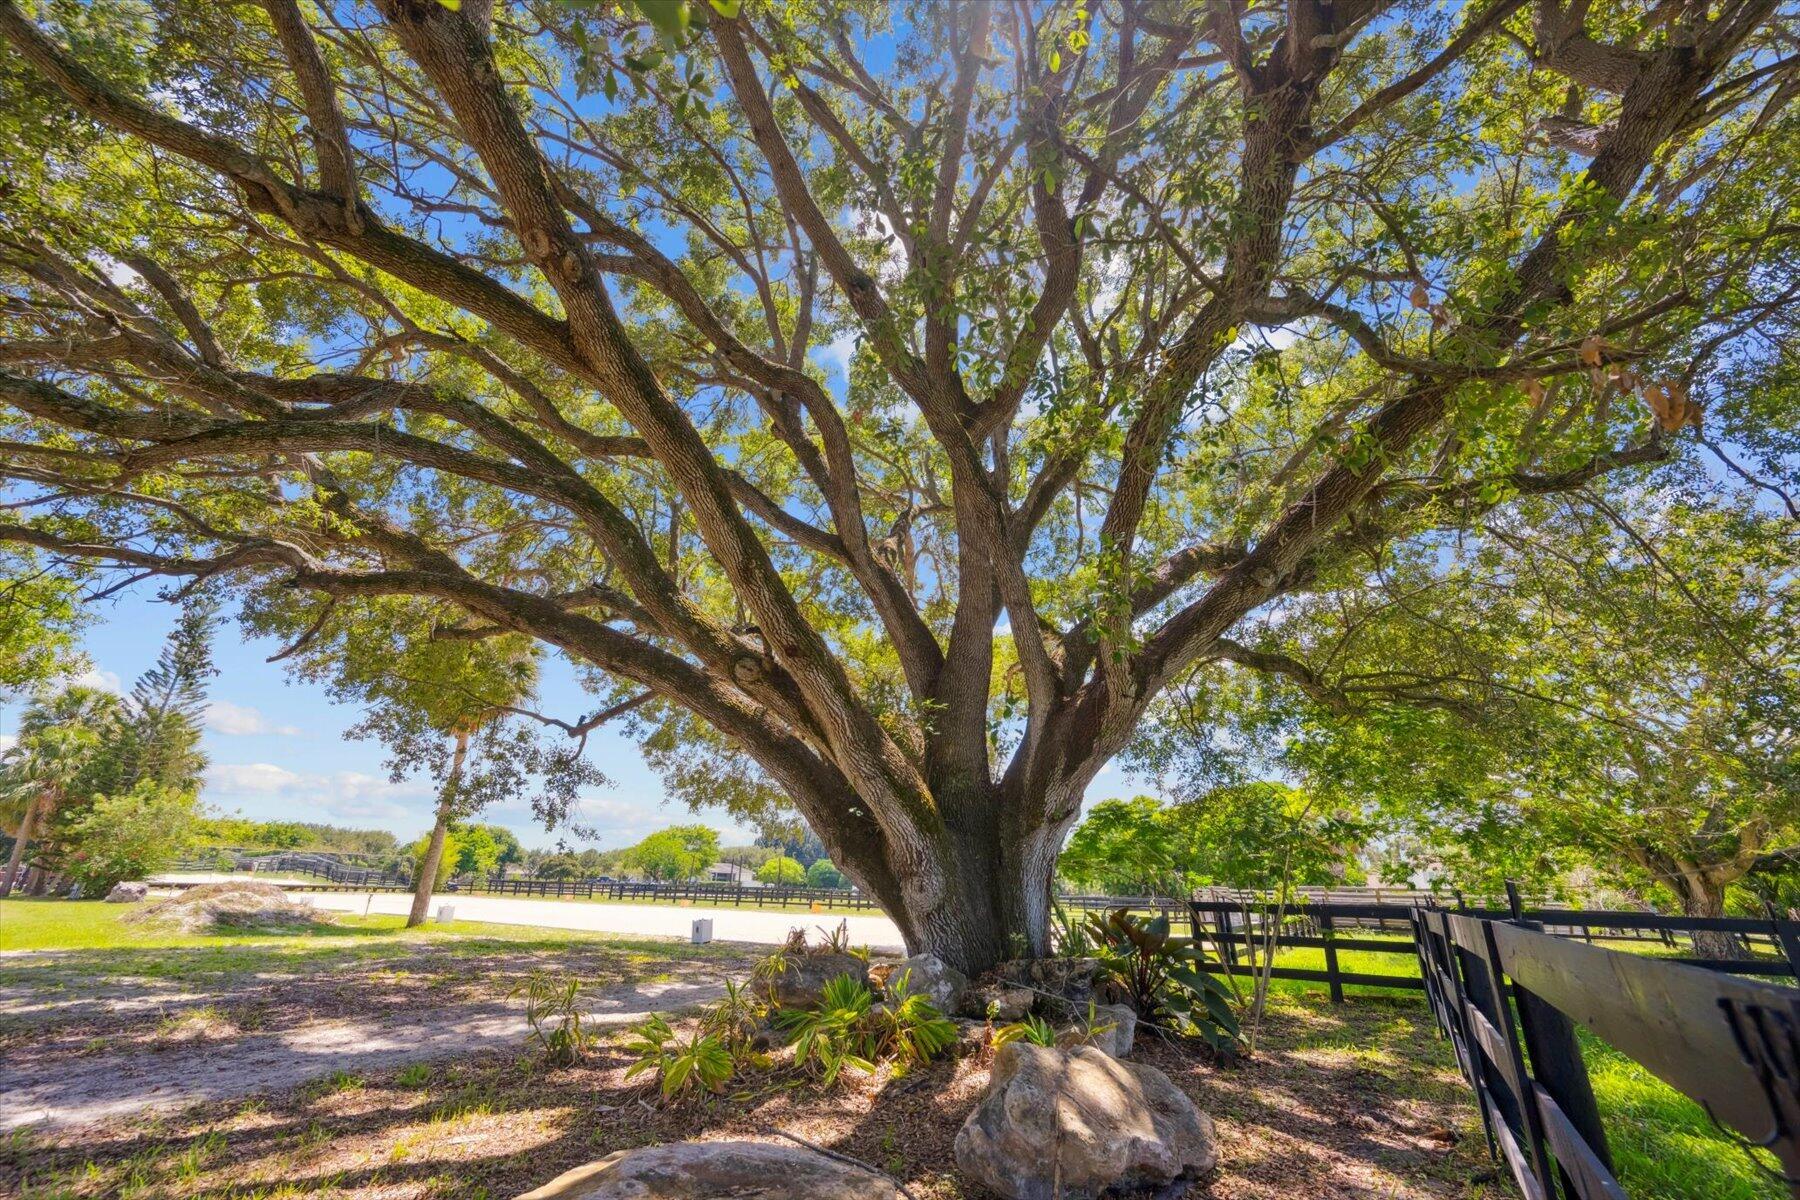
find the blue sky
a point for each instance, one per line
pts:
(278, 750)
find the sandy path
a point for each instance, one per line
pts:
(768, 927)
(117, 1083)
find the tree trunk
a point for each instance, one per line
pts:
(982, 897)
(26, 827)
(434, 851)
(1701, 896)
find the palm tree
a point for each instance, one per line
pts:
(59, 736)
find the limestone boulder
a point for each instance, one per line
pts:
(1001, 1001)
(926, 975)
(710, 1170)
(1078, 1124)
(128, 893)
(1122, 1034)
(803, 983)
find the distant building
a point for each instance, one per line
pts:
(724, 872)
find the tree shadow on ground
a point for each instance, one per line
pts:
(1342, 1105)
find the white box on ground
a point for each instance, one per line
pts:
(446, 913)
(702, 930)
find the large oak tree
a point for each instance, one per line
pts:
(900, 396)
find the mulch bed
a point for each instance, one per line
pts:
(1348, 1102)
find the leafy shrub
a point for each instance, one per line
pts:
(1160, 977)
(128, 836)
(1033, 1029)
(734, 1018)
(552, 1010)
(914, 1030)
(836, 1034)
(846, 1029)
(700, 1062)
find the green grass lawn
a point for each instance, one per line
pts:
(68, 945)
(96, 925)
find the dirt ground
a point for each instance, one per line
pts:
(93, 1035)
(1350, 1102)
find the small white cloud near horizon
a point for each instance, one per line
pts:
(240, 720)
(105, 681)
(346, 795)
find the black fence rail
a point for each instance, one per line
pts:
(1237, 932)
(330, 870)
(1510, 997)
(736, 895)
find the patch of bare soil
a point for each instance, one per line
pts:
(69, 1056)
(1351, 1102)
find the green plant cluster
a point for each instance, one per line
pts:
(847, 1028)
(1160, 976)
(553, 1010)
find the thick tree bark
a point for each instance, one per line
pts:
(434, 851)
(1703, 895)
(26, 828)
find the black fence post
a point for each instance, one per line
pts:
(1556, 1062)
(1331, 958)
(1787, 935)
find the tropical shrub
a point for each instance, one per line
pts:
(836, 1034)
(128, 836)
(552, 1009)
(1033, 1029)
(699, 1062)
(1159, 976)
(913, 1030)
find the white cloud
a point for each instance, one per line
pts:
(1272, 337)
(116, 271)
(263, 778)
(106, 681)
(347, 795)
(7, 742)
(239, 720)
(837, 353)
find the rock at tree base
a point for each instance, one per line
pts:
(1118, 1040)
(931, 977)
(803, 983)
(127, 893)
(1001, 1001)
(709, 1170)
(1078, 1124)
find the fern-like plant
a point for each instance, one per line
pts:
(552, 1009)
(1033, 1029)
(699, 1062)
(914, 1031)
(837, 1033)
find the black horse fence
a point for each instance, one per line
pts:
(1510, 986)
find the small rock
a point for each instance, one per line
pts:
(128, 893)
(1003, 1001)
(1118, 1040)
(926, 975)
(709, 1170)
(1077, 1124)
(802, 985)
